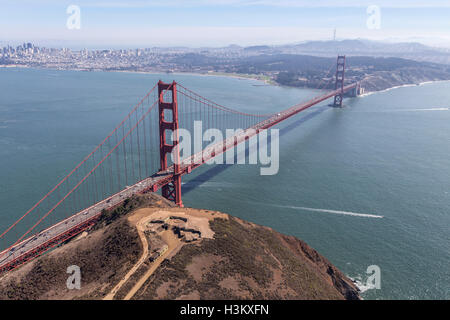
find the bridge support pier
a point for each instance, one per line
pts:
(168, 121)
(340, 70)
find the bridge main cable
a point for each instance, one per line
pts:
(75, 170)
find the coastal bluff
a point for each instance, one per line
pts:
(149, 249)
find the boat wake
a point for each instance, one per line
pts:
(427, 109)
(409, 110)
(346, 213)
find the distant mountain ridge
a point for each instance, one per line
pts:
(407, 50)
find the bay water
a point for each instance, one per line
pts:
(365, 185)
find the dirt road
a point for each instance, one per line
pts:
(173, 243)
(140, 228)
(197, 219)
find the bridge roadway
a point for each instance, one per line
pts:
(68, 228)
(17, 254)
(212, 151)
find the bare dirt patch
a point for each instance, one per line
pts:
(201, 265)
(146, 221)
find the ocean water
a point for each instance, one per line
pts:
(365, 185)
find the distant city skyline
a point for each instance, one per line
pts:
(219, 23)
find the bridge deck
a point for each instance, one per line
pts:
(66, 229)
(34, 243)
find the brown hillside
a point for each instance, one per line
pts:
(164, 252)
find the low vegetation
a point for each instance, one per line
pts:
(246, 261)
(242, 261)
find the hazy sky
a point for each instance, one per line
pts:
(194, 23)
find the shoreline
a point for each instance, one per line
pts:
(249, 77)
(403, 86)
(209, 74)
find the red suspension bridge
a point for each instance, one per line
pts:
(134, 159)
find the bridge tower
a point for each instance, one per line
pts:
(169, 121)
(340, 70)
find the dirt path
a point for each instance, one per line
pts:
(173, 243)
(198, 219)
(140, 227)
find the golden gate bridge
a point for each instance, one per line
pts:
(134, 159)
